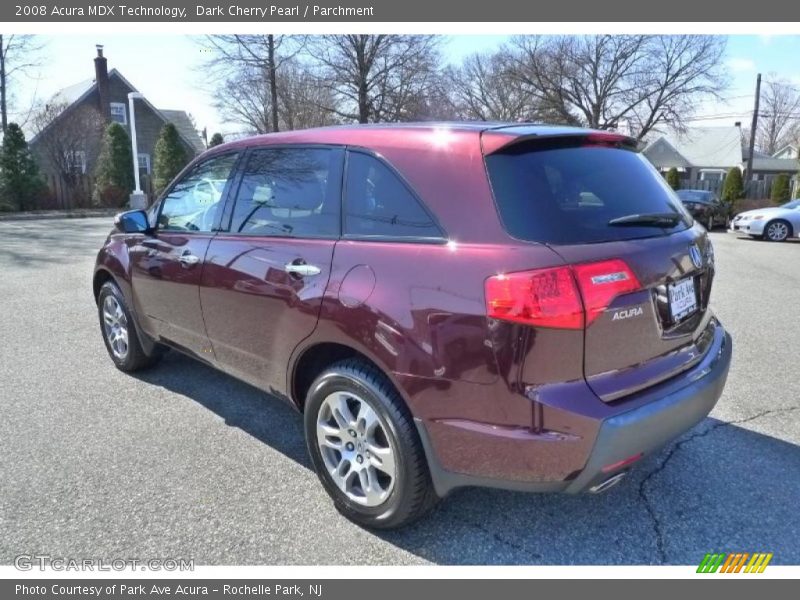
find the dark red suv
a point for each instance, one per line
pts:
(515, 306)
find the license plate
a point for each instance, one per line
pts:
(682, 299)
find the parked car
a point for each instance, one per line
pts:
(705, 207)
(774, 223)
(514, 306)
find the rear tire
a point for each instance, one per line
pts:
(119, 331)
(365, 447)
(777, 231)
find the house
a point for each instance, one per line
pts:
(788, 151)
(702, 155)
(766, 168)
(69, 144)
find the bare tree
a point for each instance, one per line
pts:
(244, 98)
(256, 59)
(303, 102)
(377, 77)
(778, 122)
(605, 81)
(681, 72)
(68, 138)
(484, 87)
(19, 54)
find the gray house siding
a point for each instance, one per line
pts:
(149, 123)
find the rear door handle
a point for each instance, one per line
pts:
(302, 269)
(188, 259)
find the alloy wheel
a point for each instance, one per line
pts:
(115, 327)
(777, 232)
(357, 452)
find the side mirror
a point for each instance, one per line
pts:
(133, 221)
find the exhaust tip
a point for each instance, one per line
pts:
(607, 484)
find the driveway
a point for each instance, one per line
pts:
(183, 461)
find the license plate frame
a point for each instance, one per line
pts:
(682, 295)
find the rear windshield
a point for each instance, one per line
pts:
(561, 193)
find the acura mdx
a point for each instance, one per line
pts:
(466, 304)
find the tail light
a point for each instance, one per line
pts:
(561, 297)
(601, 282)
(546, 297)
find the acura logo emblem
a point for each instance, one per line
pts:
(697, 258)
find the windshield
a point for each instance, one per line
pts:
(558, 192)
(694, 196)
(792, 204)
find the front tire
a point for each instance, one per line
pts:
(777, 231)
(365, 447)
(119, 331)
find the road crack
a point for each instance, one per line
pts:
(533, 557)
(648, 504)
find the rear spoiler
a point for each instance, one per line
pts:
(496, 140)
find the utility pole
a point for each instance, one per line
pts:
(753, 133)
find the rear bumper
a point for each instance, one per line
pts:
(667, 412)
(649, 427)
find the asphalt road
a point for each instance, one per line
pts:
(186, 462)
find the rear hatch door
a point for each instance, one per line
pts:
(596, 201)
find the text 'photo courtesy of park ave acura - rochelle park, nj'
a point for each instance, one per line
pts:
(371, 299)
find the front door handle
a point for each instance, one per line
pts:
(187, 259)
(302, 269)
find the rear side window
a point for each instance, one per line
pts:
(290, 192)
(378, 203)
(562, 193)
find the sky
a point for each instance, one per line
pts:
(168, 70)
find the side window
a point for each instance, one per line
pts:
(377, 203)
(292, 192)
(193, 203)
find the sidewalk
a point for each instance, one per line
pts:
(78, 213)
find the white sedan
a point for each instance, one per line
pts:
(775, 223)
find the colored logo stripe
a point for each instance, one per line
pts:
(735, 562)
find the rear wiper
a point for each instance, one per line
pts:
(648, 220)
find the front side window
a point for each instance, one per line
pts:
(379, 204)
(118, 114)
(289, 192)
(194, 202)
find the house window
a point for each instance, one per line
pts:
(118, 114)
(144, 164)
(76, 161)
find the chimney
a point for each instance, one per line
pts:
(101, 77)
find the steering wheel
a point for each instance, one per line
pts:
(206, 221)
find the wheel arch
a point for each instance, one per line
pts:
(314, 358)
(101, 276)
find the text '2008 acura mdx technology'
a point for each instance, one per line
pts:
(515, 306)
